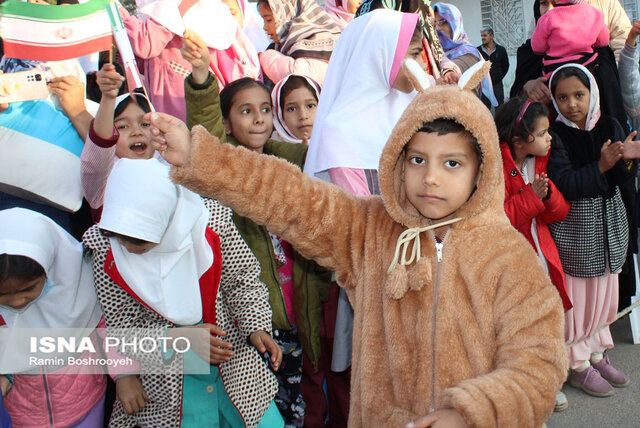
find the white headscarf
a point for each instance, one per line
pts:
(141, 202)
(594, 100)
(283, 131)
(70, 300)
(211, 19)
(358, 108)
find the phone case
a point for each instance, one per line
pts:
(22, 86)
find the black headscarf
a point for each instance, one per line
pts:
(528, 63)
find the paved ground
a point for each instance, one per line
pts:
(621, 410)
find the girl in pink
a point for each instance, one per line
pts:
(157, 39)
(568, 33)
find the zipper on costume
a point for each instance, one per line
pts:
(439, 246)
(276, 276)
(46, 394)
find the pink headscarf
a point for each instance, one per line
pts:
(338, 13)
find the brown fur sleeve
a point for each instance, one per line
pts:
(320, 220)
(530, 361)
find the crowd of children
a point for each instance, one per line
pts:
(336, 231)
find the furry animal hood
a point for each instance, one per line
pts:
(486, 205)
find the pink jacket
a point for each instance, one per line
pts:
(56, 400)
(566, 31)
(276, 66)
(159, 48)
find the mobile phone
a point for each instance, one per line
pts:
(22, 86)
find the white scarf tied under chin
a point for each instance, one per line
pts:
(143, 203)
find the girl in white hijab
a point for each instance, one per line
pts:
(163, 257)
(45, 283)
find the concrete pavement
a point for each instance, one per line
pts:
(621, 410)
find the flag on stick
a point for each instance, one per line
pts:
(51, 33)
(124, 47)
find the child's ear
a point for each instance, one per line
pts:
(479, 173)
(227, 126)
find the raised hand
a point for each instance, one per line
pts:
(109, 81)
(446, 418)
(196, 52)
(171, 137)
(537, 90)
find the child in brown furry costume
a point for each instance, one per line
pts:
(458, 326)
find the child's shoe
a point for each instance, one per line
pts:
(612, 375)
(561, 402)
(591, 382)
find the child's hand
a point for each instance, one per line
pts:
(631, 147)
(208, 347)
(131, 394)
(541, 185)
(609, 155)
(633, 34)
(264, 342)
(109, 81)
(5, 385)
(171, 137)
(537, 90)
(196, 52)
(71, 93)
(447, 418)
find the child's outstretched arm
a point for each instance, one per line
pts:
(201, 90)
(629, 75)
(320, 220)
(109, 81)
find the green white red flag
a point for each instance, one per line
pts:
(51, 33)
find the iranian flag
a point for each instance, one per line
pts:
(52, 33)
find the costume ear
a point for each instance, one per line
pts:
(416, 75)
(474, 75)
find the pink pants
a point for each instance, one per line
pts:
(595, 303)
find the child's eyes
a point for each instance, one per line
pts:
(312, 106)
(291, 109)
(266, 110)
(121, 127)
(245, 111)
(146, 124)
(452, 164)
(416, 160)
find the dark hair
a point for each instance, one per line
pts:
(23, 267)
(293, 83)
(487, 29)
(134, 241)
(443, 126)
(265, 2)
(229, 92)
(59, 2)
(567, 72)
(507, 115)
(141, 101)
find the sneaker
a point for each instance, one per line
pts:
(561, 402)
(591, 382)
(612, 375)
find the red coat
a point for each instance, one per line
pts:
(522, 205)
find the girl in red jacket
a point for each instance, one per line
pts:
(531, 200)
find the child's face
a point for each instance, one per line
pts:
(269, 26)
(439, 173)
(572, 98)
(19, 292)
(299, 112)
(135, 134)
(135, 248)
(402, 82)
(250, 119)
(539, 142)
